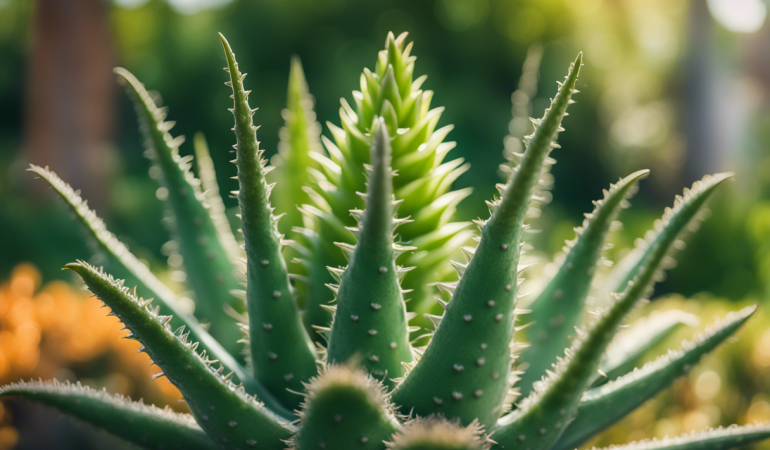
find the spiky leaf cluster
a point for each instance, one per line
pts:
(423, 185)
(492, 375)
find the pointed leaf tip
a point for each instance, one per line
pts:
(74, 266)
(381, 148)
(639, 175)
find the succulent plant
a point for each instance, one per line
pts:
(473, 386)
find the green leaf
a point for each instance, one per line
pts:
(216, 206)
(559, 308)
(605, 405)
(210, 271)
(299, 138)
(464, 372)
(423, 184)
(146, 426)
(370, 320)
(543, 415)
(712, 439)
(115, 254)
(625, 351)
(345, 409)
(281, 351)
(664, 238)
(128, 267)
(230, 417)
(438, 434)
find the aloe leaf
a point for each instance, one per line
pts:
(216, 206)
(281, 351)
(345, 409)
(210, 271)
(544, 414)
(370, 320)
(625, 351)
(463, 373)
(712, 439)
(605, 405)
(230, 417)
(559, 308)
(438, 434)
(146, 426)
(115, 254)
(299, 139)
(424, 182)
(126, 266)
(667, 233)
(542, 417)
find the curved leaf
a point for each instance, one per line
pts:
(630, 345)
(127, 266)
(712, 439)
(210, 272)
(559, 308)
(146, 426)
(231, 417)
(605, 405)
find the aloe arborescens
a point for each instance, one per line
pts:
(369, 388)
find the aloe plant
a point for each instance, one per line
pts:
(370, 388)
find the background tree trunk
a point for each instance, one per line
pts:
(70, 93)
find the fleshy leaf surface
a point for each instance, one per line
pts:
(423, 184)
(559, 308)
(124, 263)
(211, 191)
(282, 354)
(232, 418)
(210, 272)
(712, 439)
(299, 139)
(603, 406)
(370, 320)
(147, 426)
(667, 234)
(542, 417)
(464, 372)
(630, 345)
(345, 409)
(438, 434)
